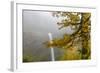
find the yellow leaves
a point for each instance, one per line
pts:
(66, 37)
(74, 18)
(86, 15)
(69, 18)
(86, 49)
(85, 30)
(71, 54)
(81, 23)
(59, 42)
(86, 22)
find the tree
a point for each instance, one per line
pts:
(81, 24)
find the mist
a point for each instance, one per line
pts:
(36, 26)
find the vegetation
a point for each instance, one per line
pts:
(77, 45)
(31, 58)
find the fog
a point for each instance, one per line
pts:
(36, 26)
